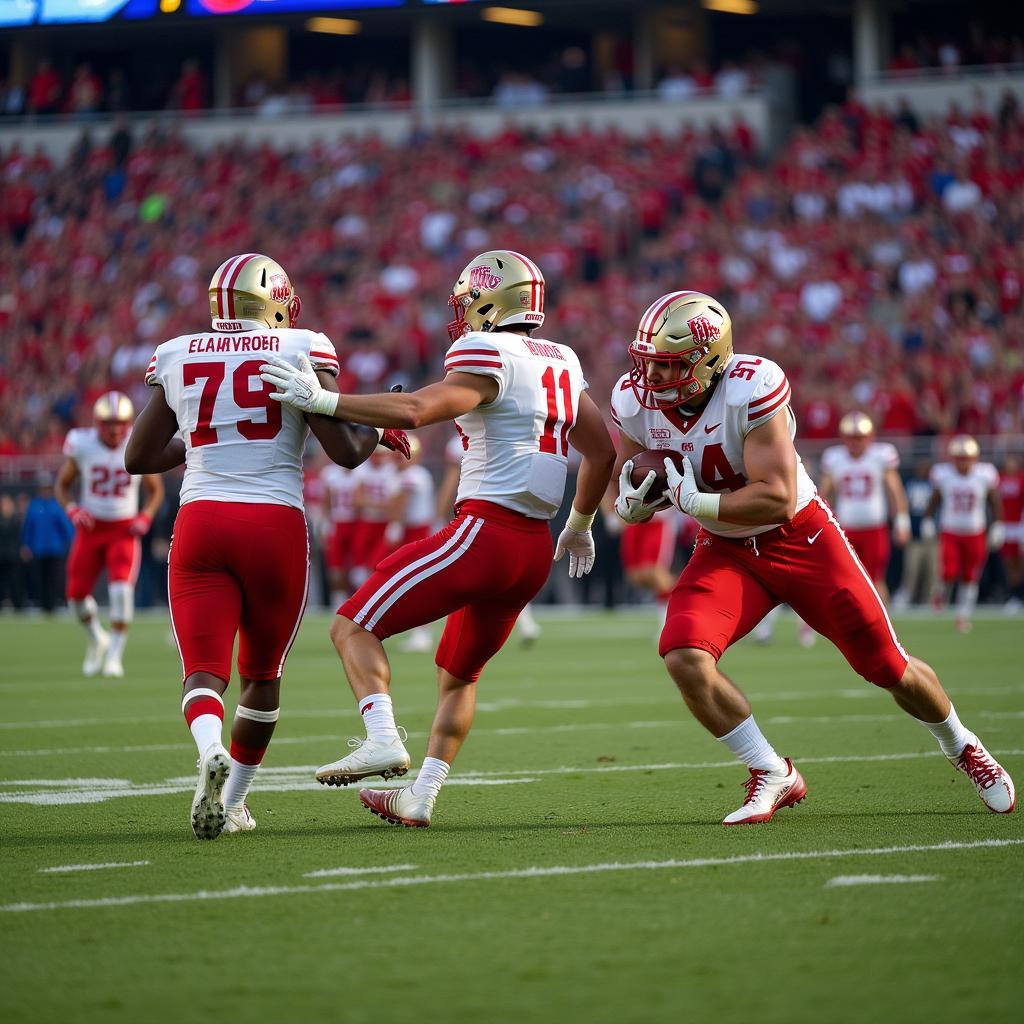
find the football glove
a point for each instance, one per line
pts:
(996, 536)
(629, 505)
(298, 386)
(683, 492)
(140, 525)
(80, 519)
(396, 440)
(580, 548)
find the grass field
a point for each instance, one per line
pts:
(576, 868)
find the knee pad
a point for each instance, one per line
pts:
(122, 602)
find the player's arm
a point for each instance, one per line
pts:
(928, 516)
(899, 507)
(589, 436)
(153, 445)
(66, 477)
(456, 395)
(346, 444)
(826, 486)
(447, 491)
(996, 530)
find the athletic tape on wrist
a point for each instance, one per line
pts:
(254, 715)
(190, 695)
(578, 521)
(703, 506)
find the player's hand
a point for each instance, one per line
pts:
(901, 530)
(928, 528)
(393, 532)
(996, 536)
(80, 519)
(686, 496)
(141, 524)
(580, 548)
(298, 386)
(629, 505)
(397, 441)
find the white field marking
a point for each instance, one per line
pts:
(250, 892)
(516, 730)
(844, 880)
(298, 778)
(382, 870)
(67, 868)
(512, 704)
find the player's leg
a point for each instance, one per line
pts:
(833, 591)
(715, 603)
(271, 558)
(123, 556)
(973, 553)
(949, 570)
(85, 562)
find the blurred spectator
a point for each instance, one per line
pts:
(677, 85)
(11, 569)
(44, 90)
(85, 94)
(189, 91)
(516, 89)
(45, 538)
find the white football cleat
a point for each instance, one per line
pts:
(96, 654)
(990, 778)
(208, 815)
(766, 793)
(528, 628)
(112, 667)
(399, 806)
(238, 819)
(369, 757)
(962, 624)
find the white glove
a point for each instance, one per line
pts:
(928, 528)
(393, 532)
(996, 536)
(629, 505)
(298, 386)
(580, 547)
(683, 492)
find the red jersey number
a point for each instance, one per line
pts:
(559, 422)
(212, 374)
(716, 471)
(107, 482)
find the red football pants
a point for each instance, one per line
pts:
(237, 568)
(480, 570)
(729, 585)
(962, 556)
(872, 548)
(108, 545)
(649, 544)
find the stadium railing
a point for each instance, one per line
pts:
(932, 90)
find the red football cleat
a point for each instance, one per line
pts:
(399, 806)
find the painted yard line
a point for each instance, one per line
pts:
(513, 704)
(338, 872)
(841, 881)
(251, 892)
(67, 868)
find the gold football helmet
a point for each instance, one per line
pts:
(689, 332)
(499, 288)
(963, 446)
(253, 287)
(856, 424)
(113, 413)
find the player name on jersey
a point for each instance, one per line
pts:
(235, 343)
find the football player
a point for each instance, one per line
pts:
(108, 527)
(340, 509)
(1011, 493)
(766, 538)
(965, 493)
(863, 475)
(239, 558)
(519, 402)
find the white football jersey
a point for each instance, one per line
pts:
(240, 445)
(417, 482)
(751, 391)
(963, 496)
(341, 486)
(517, 447)
(859, 497)
(376, 486)
(109, 492)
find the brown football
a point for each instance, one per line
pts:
(654, 460)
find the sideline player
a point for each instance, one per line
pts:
(863, 476)
(340, 511)
(520, 402)
(1011, 493)
(239, 557)
(767, 537)
(964, 491)
(108, 527)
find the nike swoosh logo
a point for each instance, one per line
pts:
(708, 430)
(811, 540)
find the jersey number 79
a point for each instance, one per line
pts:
(213, 374)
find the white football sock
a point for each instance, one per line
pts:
(86, 610)
(379, 717)
(206, 731)
(117, 642)
(748, 743)
(526, 621)
(430, 777)
(952, 735)
(968, 598)
(237, 787)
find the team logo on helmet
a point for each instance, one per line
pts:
(280, 289)
(484, 278)
(703, 330)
